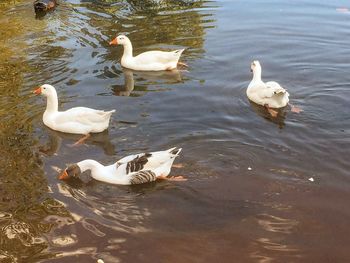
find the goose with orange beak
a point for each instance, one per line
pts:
(133, 169)
(78, 120)
(147, 61)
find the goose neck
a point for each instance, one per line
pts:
(257, 74)
(52, 103)
(127, 49)
(88, 164)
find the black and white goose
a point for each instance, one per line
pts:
(133, 169)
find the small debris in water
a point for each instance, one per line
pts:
(249, 168)
(342, 10)
(100, 261)
(311, 179)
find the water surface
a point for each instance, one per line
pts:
(248, 197)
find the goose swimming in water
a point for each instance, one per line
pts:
(147, 61)
(133, 169)
(268, 94)
(77, 120)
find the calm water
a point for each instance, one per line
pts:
(270, 212)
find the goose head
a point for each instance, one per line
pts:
(72, 170)
(120, 40)
(255, 66)
(45, 90)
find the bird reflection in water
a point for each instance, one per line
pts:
(279, 120)
(149, 77)
(55, 140)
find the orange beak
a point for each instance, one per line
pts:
(114, 42)
(37, 91)
(64, 175)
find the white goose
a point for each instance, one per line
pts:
(269, 94)
(147, 61)
(134, 169)
(78, 120)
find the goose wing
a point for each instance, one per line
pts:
(83, 115)
(148, 161)
(159, 56)
(141, 177)
(272, 89)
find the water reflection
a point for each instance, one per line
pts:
(269, 247)
(40, 14)
(159, 5)
(279, 120)
(277, 224)
(269, 251)
(24, 201)
(160, 25)
(112, 206)
(144, 79)
(25, 233)
(54, 143)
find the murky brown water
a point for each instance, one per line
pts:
(225, 211)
